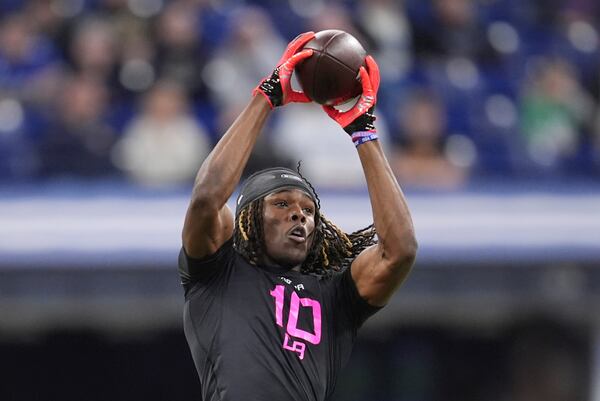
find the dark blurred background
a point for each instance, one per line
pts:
(489, 114)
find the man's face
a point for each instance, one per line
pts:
(289, 224)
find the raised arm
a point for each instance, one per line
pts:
(380, 269)
(209, 221)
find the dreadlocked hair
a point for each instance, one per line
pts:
(248, 232)
(332, 250)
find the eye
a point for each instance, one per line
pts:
(308, 210)
(280, 203)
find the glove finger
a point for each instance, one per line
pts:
(365, 81)
(291, 63)
(297, 43)
(301, 40)
(331, 111)
(373, 70)
(299, 97)
(287, 68)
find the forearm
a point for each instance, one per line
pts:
(221, 171)
(391, 215)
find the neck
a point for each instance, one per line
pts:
(271, 264)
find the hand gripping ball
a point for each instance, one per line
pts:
(331, 75)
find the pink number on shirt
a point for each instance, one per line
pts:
(292, 325)
(293, 319)
(278, 294)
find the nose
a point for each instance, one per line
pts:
(297, 215)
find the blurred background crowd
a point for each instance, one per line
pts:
(142, 89)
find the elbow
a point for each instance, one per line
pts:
(405, 254)
(409, 254)
(207, 194)
(204, 201)
(201, 197)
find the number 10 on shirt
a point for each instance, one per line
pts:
(292, 329)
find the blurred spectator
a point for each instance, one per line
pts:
(130, 24)
(555, 110)
(453, 30)
(18, 151)
(595, 142)
(164, 145)
(537, 14)
(387, 25)
(44, 16)
(584, 8)
(78, 140)
(93, 49)
(335, 16)
(24, 55)
(580, 10)
(329, 159)
(265, 154)
(424, 157)
(248, 55)
(180, 51)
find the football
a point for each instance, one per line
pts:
(331, 75)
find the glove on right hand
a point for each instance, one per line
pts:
(360, 117)
(278, 87)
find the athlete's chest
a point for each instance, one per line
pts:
(289, 311)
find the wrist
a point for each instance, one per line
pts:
(360, 137)
(261, 97)
(260, 103)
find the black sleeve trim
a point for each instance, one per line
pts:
(361, 309)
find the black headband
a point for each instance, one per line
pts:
(267, 181)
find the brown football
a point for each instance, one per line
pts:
(331, 75)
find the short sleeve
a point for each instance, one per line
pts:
(192, 270)
(356, 308)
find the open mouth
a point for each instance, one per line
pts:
(297, 234)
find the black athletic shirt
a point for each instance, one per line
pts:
(259, 334)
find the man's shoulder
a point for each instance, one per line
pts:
(193, 270)
(225, 251)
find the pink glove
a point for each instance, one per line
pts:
(278, 87)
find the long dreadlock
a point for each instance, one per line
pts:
(332, 250)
